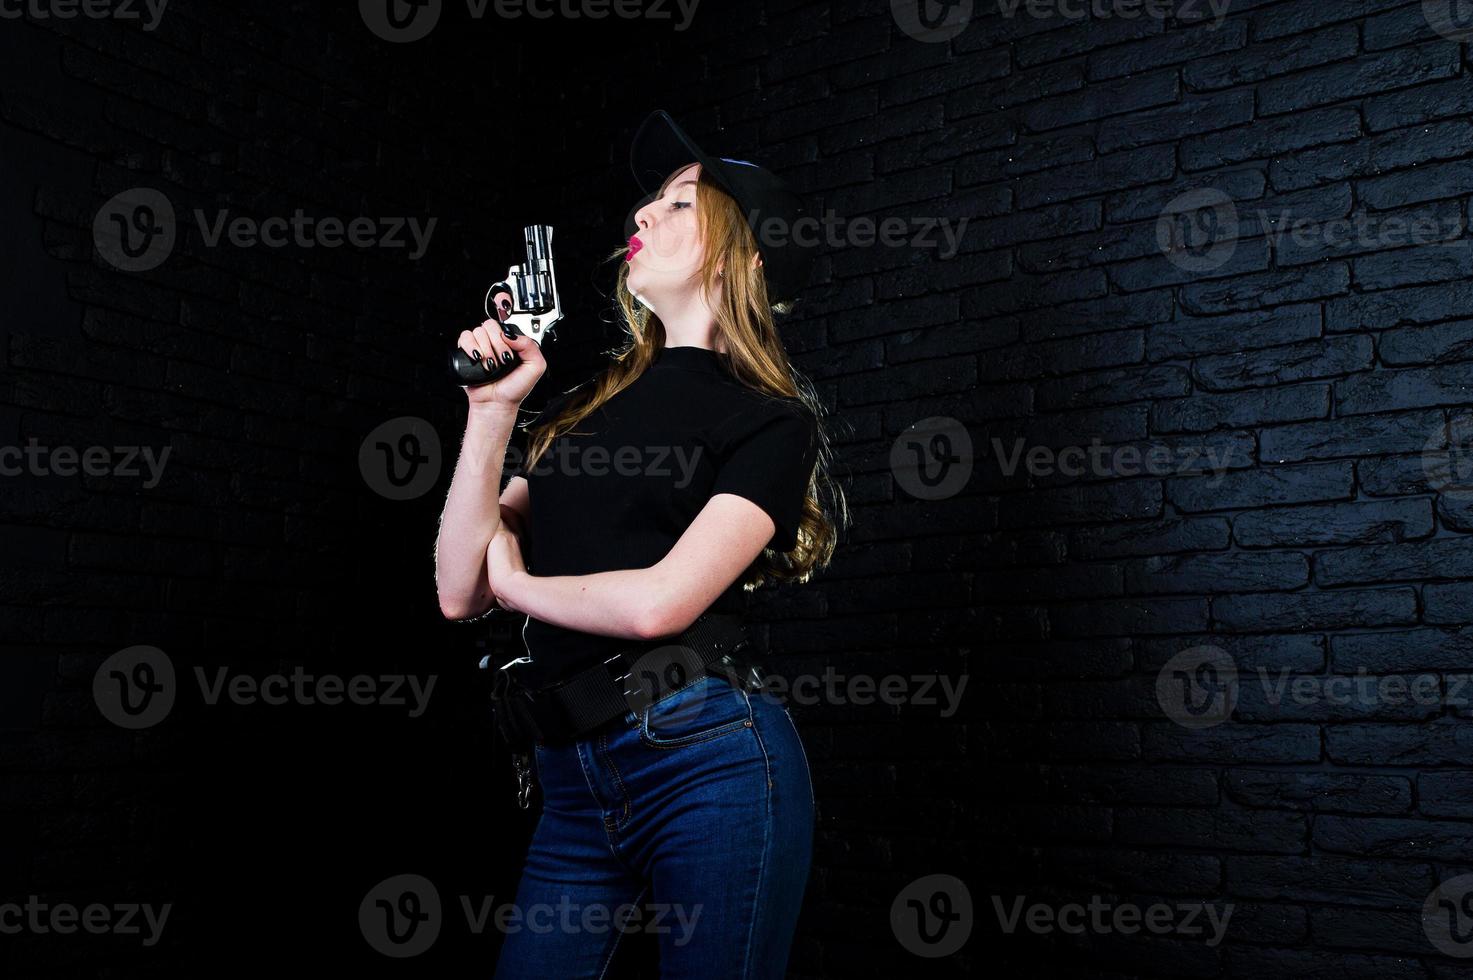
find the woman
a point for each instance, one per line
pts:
(686, 473)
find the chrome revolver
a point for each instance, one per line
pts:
(536, 309)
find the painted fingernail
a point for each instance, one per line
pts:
(475, 355)
(506, 357)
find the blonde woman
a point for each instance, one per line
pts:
(649, 501)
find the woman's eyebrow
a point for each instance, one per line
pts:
(672, 187)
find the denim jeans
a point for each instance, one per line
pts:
(699, 808)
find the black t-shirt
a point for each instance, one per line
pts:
(621, 495)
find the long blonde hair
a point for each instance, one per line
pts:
(747, 332)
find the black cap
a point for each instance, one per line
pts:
(772, 209)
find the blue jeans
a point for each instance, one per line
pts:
(699, 808)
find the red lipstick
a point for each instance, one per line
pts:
(634, 246)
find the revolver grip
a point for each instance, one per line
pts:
(473, 372)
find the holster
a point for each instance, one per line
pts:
(630, 680)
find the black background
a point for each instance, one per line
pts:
(1325, 371)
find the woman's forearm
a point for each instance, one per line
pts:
(472, 513)
(624, 603)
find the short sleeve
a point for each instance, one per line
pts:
(769, 460)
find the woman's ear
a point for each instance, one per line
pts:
(757, 260)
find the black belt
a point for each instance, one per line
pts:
(630, 680)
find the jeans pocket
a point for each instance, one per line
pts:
(707, 709)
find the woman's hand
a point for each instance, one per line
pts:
(504, 567)
(494, 345)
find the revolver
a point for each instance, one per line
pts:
(536, 309)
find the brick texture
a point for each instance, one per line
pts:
(1206, 328)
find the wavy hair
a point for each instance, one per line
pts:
(747, 333)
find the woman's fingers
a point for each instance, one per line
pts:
(493, 340)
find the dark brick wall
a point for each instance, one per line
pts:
(1325, 364)
(1191, 436)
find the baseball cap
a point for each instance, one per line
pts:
(771, 207)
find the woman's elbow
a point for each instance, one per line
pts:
(661, 618)
(458, 607)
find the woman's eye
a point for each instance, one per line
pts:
(679, 204)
